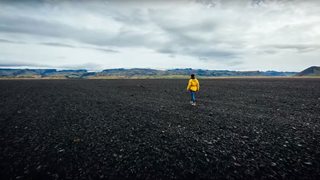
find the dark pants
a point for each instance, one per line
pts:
(193, 96)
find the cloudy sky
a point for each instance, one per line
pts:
(281, 35)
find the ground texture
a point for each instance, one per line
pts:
(111, 129)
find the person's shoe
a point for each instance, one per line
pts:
(194, 104)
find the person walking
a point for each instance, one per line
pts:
(193, 87)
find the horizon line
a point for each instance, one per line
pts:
(158, 69)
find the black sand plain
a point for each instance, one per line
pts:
(146, 129)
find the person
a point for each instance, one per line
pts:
(193, 87)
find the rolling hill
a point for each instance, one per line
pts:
(311, 71)
(133, 73)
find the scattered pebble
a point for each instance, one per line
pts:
(76, 140)
(39, 168)
(123, 137)
(237, 164)
(60, 150)
(307, 163)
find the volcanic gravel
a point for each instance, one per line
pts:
(146, 129)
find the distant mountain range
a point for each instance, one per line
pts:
(144, 73)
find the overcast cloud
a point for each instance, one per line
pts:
(279, 35)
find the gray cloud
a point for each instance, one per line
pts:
(211, 53)
(296, 47)
(229, 32)
(88, 66)
(82, 47)
(299, 47)
(184, 40)
(38, 27)
(10, 41)
(16, 64)
(208, 3)
(201, 53)
(6, 41)
(57, 44)
(106, 50)
(234, 63)
(12, 63)
(178, 35)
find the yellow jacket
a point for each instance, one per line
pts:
(193, 85)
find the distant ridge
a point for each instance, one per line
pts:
(133, 73)
(311, 71)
